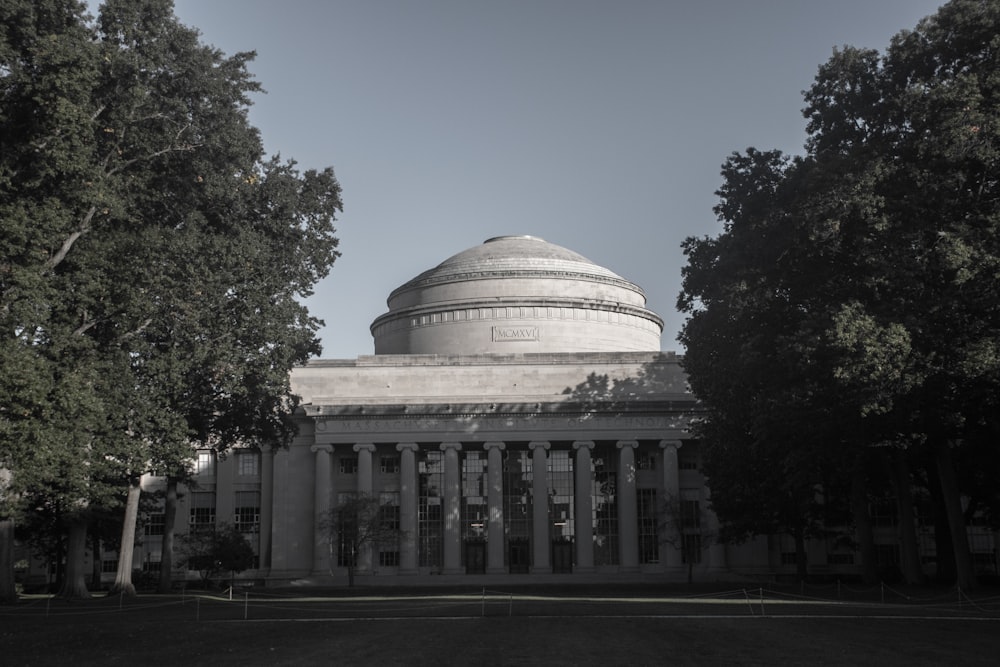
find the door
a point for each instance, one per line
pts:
(562, 557)
(517, 557)
(475, 558)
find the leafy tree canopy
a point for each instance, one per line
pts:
(852, 297)
(154, 258)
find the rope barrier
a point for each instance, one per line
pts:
(396, 602)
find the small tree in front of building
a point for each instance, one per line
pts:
(359, 522)
(682, 526)
(218, 550)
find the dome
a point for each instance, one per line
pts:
(516, 294)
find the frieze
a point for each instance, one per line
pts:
(505, 423)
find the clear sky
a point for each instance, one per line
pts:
(598, 126)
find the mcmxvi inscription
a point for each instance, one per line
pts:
(506, 334)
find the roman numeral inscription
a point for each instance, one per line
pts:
(514, 334)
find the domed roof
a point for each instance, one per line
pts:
(516, 293)
(508, 254)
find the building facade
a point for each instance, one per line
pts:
(516, 419)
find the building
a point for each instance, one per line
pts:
(517, 420)
(514, 356)
(509, 358)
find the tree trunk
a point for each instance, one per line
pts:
(123, 576)
(801, 559)
(95, 562)
(862, 521)
(964, 576)
(167, 547)
(8, 591)
(59, 557)
(944, 560)
(75, 581)
(913, 573)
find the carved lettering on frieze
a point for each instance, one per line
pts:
(514, 334)
(503, 423)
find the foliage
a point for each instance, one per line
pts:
(154, 257)
(358, 523)
(852, 297)
(684, 526)
(218, 550)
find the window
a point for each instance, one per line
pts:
(691, 553)
(109, 566)
(389, 464)
(388, 558)
(155, 524)
(789, 558)
(887, 555)
(347, 529)
(430, 517)
(349, 466)
(605, 506)
(985, 561)
(690, 515)
(883, 513)
(205, 462)
(247, 511)
(646, 461)
(517, 503)
(562, 509)
(474, 508)
(248, 463)
(151, 566)
(388, 510)
(687, 459)
(202, 510)
(648, 543)
(840, 559)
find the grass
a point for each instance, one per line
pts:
(555, 626)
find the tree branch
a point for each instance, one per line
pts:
(57, 258)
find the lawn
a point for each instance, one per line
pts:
(550, 627)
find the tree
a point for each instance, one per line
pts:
(357, 524)
(157, 257)
(221, 549)
(683, 525)
(860, 280)
(775, 430)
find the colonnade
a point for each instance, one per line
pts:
(452, 514)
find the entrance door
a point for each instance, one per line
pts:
(562, 557)
(517, 557)
(475, 558)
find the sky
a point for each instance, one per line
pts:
(600, 126)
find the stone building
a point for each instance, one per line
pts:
(510, 358)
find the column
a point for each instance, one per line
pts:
(266, 505)
(628, 515)
(582, 488)
(407, 507)
(364, 450)
(671, 549)
(541, 560)
(452, 509)
(322, 544)
(494, 500)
